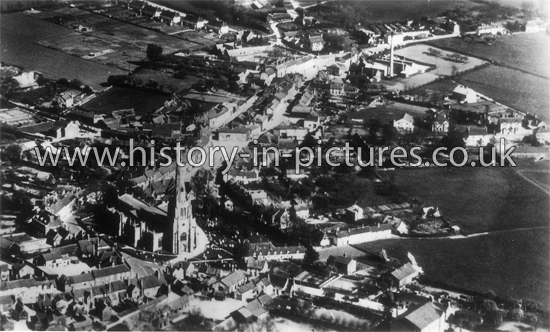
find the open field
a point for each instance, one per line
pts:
(111, 42)
(443, 67)
(378, 11)
(526, 51)
(524, 92)
(19, 32)
(121, 98)
(479, 199)
(512, 263)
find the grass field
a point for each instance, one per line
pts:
(166, 79)
(19, 32)
(479, 199)
(528, 51)
(512, 263)
(121, 98)
(513, 88)
(377, 11)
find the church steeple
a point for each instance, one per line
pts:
(182, 224)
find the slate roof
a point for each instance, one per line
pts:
(23, 283)
(51, 256)
(361, 230)
(404, 272)
(79, 278)
(265, 299)
(234, 278)
(420, 316)
(150, 281)
(255, 264)
(256, 308)
(246, 287)
(110, 271)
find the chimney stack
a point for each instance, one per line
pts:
(390, 73)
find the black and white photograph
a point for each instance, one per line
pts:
(275, 165)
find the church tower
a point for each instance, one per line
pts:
(181, 234)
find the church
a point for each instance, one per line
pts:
(172, 230)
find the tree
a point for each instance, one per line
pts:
(310, 257)
(13, 152)
(194, 318)
(453, 139)
(239, 252)
(388, 301)
(454, 70)
(330, 294)
(262, 325)
(154, 52)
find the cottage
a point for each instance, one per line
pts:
(113, 273)
(360, 235)
(150, 286)
(264, 286)
(464, 94)
(170, 17)
(493, 29)
(354, 213)
(255, 267)
(281, 285)
(404, 275)
(245, 292)
(405, 124)
(316, 42)
(219, 27)
(344, 265)
(27, 289)
(230, 283)
(440, 124)
(53, 260)
(424, 318)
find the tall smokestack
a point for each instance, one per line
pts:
(390, 72)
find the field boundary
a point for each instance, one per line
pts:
(492, 61)
(519, 172)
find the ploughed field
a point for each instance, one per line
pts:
(19, 34)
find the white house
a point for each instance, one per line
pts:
(354, 213)
(464, 94)
(440, 124)
(405, 124)
(360, 235)
(493, 28)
